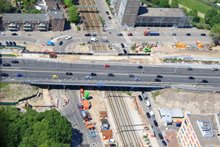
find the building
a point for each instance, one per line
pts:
(199, 131)
(130, 13)
(171, 115)
(52, 20)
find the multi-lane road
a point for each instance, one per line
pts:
(41, 72)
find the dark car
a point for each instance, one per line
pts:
(14, 34)
(160, 136)
(7, 43)
(69, 73)
(6, 64)
(122, 45)
(87, 34)
(140, 67)
(15, 61)
(203, 34)
(111, 75)
(189, 68)
(191, 77)
(214, 69)
(131, 75)
(19, 75)
(119, 34)
(4, 75)
(173, 34)
(94, 34)
(188, 34)
(93, 74)
(14, 43)
(155, 123)
(61, 42)
(203, 81)
(109, 17)
(140, 97)
(107, 12)
(10, 43)
(164, 143)
(157, 80)
(148, 114)
(159, 76)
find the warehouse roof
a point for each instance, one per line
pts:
(158, 12)
(19, 17)
(177, 113)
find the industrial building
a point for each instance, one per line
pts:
(200, 131)
(130, 13)
(52, 20)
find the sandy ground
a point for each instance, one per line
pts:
(188, 101)
(14, 92)
(77, 48)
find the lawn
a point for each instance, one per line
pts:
(197, 5)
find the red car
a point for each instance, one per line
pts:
(106, 65)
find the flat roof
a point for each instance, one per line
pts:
(158, 12)
(56, 14)
(176, 112)
(205, 141)
(20, 17)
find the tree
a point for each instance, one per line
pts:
(194, 14)
(174, 4)
(73, 14)
(210, 13)
(68, 3)
(156, 2)
(215, 31)
(215, 20)
(164, 3)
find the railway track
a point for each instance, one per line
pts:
(129, 137)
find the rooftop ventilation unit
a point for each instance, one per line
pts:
(205, 128)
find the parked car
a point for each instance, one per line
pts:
(14, 43)
(164, 143)
(68, 37)
(107, 12)
(137, 79)
(119, 34)
(106, 65)
(140, 67)
(160, 136)
(130, 34)
(155, 123)
(122, 45)
(125, 51)
(148, 103)
(14, 34)
(131, 75)
(93, 74)
(4, 75)
(157, 80)
(18, 75)
(173, 34)
(159, 76)
(109, 17)
(88, 77)
(203, 34)
(69, 73)
(61, 42)
(111, 75)
(191, 77)
(6, 64)
(148, 115)
(203, 81)
(15, 61)
(87, 34)
(140, 97)
(188, 34)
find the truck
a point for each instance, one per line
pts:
(93, 39)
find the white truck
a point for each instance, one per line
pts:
(93, 39)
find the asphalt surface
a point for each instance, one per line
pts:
(44, 70)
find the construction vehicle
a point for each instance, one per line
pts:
(180, 45)
(199, 44)
(52, 55)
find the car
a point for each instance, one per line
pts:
(189, 68)
(148, 103)
(125, 51)
(88, 77)
(173, 34)
(87, 35)
(93, 74)
(203, 81)
(140, 67)
(105, 40)
(157, 80)
(0, 43)
(203, 34)
(14, 43)
(111, 141)
(69, 73)
(119, 34)
(61, 42)
(148, 115)
(159, 76)
(111, 75)
(7, 43)
(160, 136)
(191, 78)
(122, 45)
(4, 75)
(130, 34)
(6, 64)
(2, 34)
(94, 34)
(155, 123)
(137, 79)
(214, 69)
(68, 37)
(15, 61)
(14, 34)
(55, 77)
(131, 75)
(140, 97)
(107, 12)
(109, 17)
(10, 43)
(18, 75)
(164, 143)
(188, 34)
(106, 65)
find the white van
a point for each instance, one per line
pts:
(152, 113)
(93, 39)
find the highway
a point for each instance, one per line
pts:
(41, 71)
